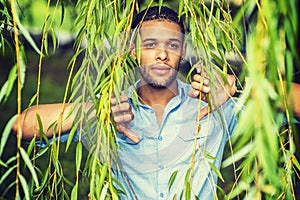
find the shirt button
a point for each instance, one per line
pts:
(161, 195)
(161, 166)
(159, 138)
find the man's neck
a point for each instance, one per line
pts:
(153, 96)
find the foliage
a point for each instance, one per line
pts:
(264, 150)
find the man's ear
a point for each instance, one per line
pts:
(132, 50)
(183, 52)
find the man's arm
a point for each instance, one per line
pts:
(49, 114)
(295, 99)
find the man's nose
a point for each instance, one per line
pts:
(161, 53)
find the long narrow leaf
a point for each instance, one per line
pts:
(29, 165)
(6, 133)
(24, 186)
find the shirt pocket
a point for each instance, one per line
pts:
(209, 131)
(188, 132)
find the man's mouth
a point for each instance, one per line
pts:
(160, 69)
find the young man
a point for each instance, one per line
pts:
(160, 139)
(164, 134)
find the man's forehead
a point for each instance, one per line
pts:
(160, 29)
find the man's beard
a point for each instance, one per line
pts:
(158, 82)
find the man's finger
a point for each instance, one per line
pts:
(123, 118)
(200, 79)
(203, 112)
(128, 133)
(122, 99)
(199, 86)
(198, 68)
(123, 107)
(194, 93)
(232, 84)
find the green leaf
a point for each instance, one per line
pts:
(78, 155)
(160, 4)
(32, 100)
(289, 67)
(68, 182)
(138, 48)
(120, 26)
(54, 40)
(3, 164)
(211, 36)
(74, 192)
(207, 155)
(46, 43)
(215, 169)
(6, 133)
(11, 160)
(104, 192)
(41, 129)
(104, 170)
(172, 179)
(180, 9)
(29, 165)
(31, 146)
(24, 186)
(8, 85)
(238, 155)
(187, 177)
(121, 188)
(62, 12)
(44, 181)
(22, 66)
(27, 35)
(42, 152)
(70, 138)
(295, 162)
(187, 190)
(7, 172)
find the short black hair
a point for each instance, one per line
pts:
(158, 13)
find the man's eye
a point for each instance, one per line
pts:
(149, 45)
(174, 46)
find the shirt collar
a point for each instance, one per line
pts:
(183, 89)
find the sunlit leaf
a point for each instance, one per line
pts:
(104, 192)
(44, 181)
(29, 165)
(24, 186)
(6, 133)
(172, 179)
(6, 174)
(138, 48)
(74, 192)
(216, 170)
(8, 85)
(42, 152)
(27, 35)
(78, 155)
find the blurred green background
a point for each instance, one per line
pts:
(54, 75)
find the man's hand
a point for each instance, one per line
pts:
(219, 90)
(123, 115)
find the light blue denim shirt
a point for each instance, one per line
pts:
(162, 150)
(165, 149)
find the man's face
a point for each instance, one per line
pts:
(161, 52)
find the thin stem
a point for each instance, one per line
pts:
(19, 130)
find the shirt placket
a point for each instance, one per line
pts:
(161, 173)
